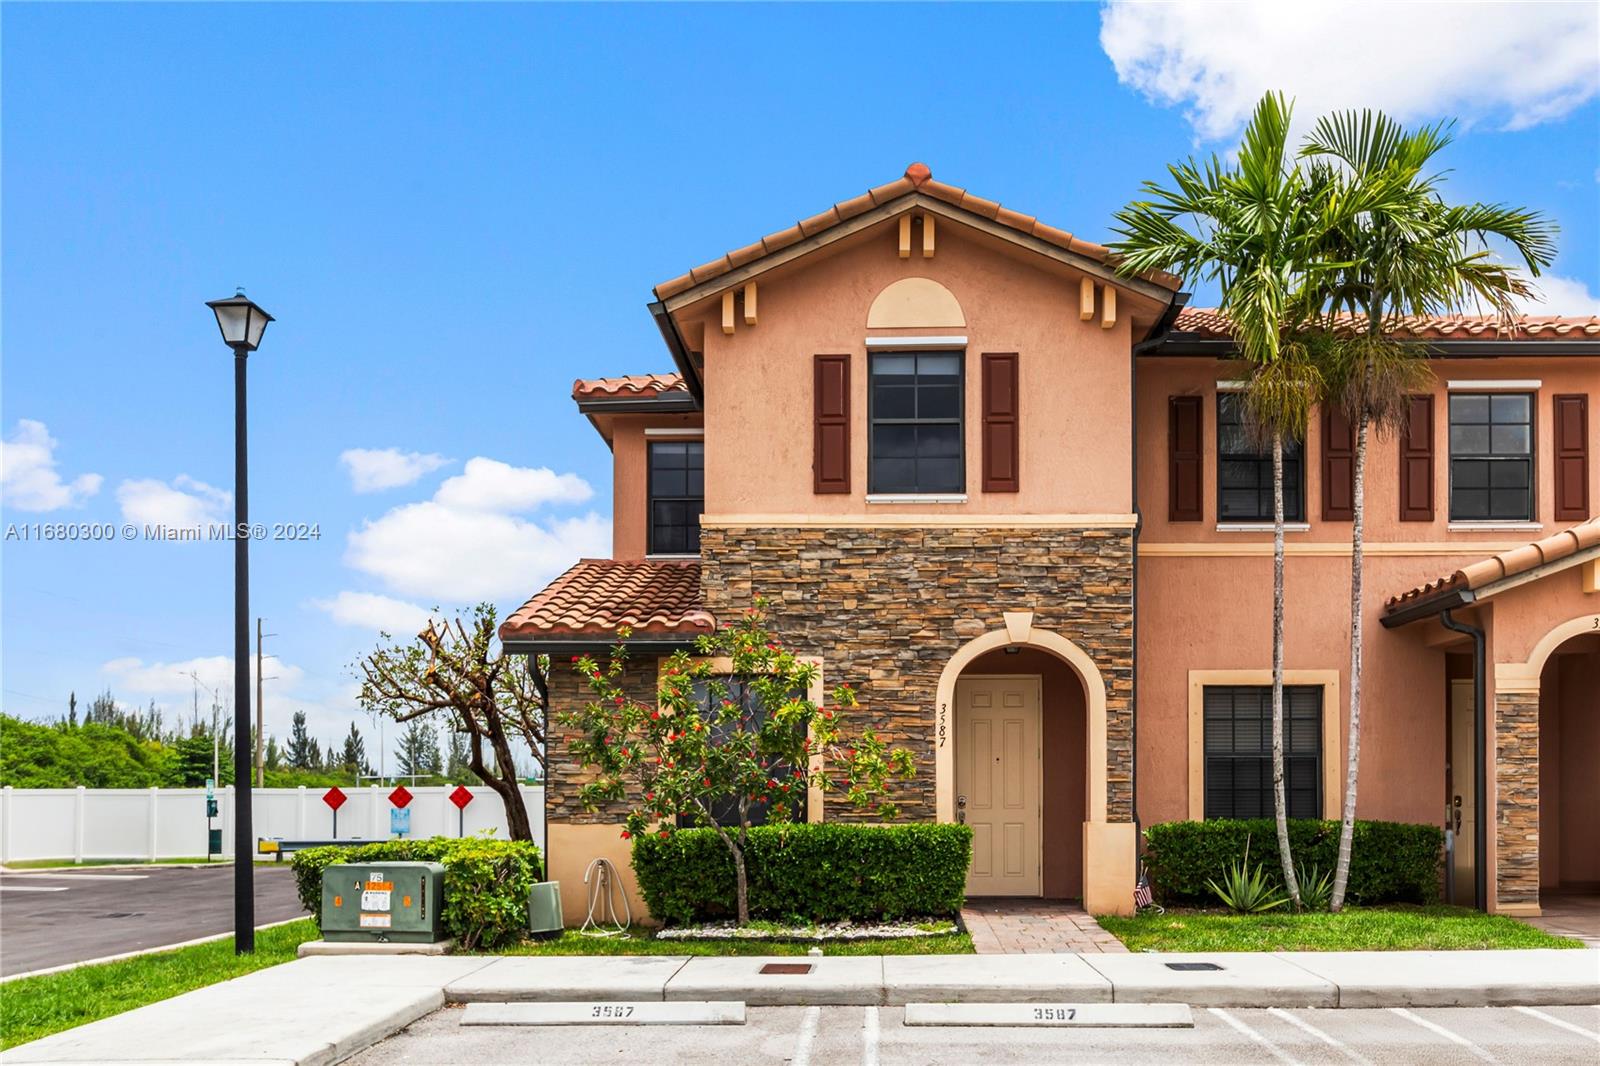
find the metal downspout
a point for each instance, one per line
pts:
(1480, 769)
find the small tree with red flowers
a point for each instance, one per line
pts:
(732, 731)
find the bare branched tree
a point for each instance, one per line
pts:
(456, 669)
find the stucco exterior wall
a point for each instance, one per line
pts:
(1074, 381)
(1160, 378)
(1215, 613)
(629, 470)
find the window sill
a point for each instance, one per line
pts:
(884, 497)
(667, 557)
(1474, 526)
(1262, 527)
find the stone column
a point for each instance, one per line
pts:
(1516, 801)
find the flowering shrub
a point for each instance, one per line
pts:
(698, 753)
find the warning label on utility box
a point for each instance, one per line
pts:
(375, 901)
(375, 921)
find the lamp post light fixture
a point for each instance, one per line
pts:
(242, 323)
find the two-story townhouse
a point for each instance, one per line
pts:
(1006, 493)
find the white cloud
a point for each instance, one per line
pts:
(1562, 296)
(454, 555)
(1513, 65)
(185, 502)
(368, 610)
(471, 542)
(375, 469)
(28, 477)
(490, 485)
(176, 680)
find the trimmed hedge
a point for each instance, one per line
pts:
(1389, 861)
(486, 882)
(808, 872)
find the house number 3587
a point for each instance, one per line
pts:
(944, 728)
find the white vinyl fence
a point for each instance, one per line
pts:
(168, 823)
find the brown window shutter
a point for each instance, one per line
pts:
(1001, 430)
(1185, 471)
(830, 463)
(1416, 462)
(1338, 466)
(1572, 457)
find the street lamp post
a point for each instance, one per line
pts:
(242, 324)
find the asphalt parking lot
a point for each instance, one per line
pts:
(53, 917)
(875, 1036)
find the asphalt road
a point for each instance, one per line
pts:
(874, 1036)
(52, 917)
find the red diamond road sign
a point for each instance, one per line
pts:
(461, 797)
(400, 796)
(334, 798)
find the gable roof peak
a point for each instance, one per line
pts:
(918, 173)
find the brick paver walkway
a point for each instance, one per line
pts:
(1034, 927)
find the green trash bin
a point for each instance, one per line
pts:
(544, 909)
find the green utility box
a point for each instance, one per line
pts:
(544, 909)
(400, 902)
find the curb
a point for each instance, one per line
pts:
(64, 967)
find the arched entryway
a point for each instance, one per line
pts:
(1569, 791)
(1030, 678)
(1020, 773)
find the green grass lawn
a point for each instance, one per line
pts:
(643, 942)
(38, 1006)
(1395, 928)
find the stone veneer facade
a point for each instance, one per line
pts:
(569, 692)
(1516, 800)
(886, 608)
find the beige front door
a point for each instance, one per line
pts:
(998, 788)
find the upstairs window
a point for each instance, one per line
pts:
(915, 410)
(1244, 469)
(1491, 456)
(1238, 740)
(677, 496)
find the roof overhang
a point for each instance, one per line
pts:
(1458, 597)
(584, 643)
(893, 209)
(1196, 345)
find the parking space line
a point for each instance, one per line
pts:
(33, 888)
(808, 1033)
(1553, 1020)
(1277, 1052)
(870, 1034)
(1333, 1042)
(1434, 1027)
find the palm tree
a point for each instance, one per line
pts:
(1410, 254)
(1260, 230)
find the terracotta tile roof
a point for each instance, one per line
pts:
(598, 595)
(1557, 546)
(1211, 323)
(917, 178)
(629, 386)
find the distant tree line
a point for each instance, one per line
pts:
(108, 745)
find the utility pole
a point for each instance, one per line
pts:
(261, 733)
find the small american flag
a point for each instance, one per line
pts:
(1142, 896)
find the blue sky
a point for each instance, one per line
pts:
(455, 210)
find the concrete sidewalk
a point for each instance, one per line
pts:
(317, 1011)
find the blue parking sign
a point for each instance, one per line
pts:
(399, 821)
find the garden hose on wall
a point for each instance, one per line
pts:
(601, 877)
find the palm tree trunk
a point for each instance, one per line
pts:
(1279, 805)
(1347, 827)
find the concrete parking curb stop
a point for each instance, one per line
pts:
(317, 1011)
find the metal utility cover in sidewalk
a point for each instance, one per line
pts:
(1056, 1015)
(638, 1012)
